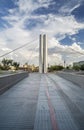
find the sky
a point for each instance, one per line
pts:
(22, 21)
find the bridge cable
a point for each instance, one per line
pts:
(32, 54)
(77, 51)
(74, 51)
(16, 49)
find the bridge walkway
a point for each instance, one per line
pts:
(42, 102)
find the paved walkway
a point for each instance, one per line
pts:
(42, 102)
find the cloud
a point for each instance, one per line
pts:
(67, 9)
(69, 53)
(26, 26)
(57, 25)
(70, 6)
(44, 3)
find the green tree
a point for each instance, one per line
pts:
(76, 67)
(82, 67)
(16, 65)
(6, 63)
(55, 68)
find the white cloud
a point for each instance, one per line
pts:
(62, 25)
(45, 3)
(5, 49)
(68, 9)
(76, 47)
(68, 53)
(26, 6)
(56, 27)
(55, 59)
(70, 6)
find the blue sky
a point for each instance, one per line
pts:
(62, 20)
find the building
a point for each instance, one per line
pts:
(78, 63)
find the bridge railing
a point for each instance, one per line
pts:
(8, 81)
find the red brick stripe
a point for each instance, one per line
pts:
(52, 112)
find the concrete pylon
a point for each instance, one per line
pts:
(43, 53)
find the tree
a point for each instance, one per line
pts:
(76, 67)
(6, 63)
(55, 68)
(82, 67)
(16, 65)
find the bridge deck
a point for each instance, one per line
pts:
(42, 102)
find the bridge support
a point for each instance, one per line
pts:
(43, 53)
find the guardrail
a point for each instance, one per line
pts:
(76, 79)
(8, 81)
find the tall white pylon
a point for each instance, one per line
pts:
(40, 53)
(43, 53)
